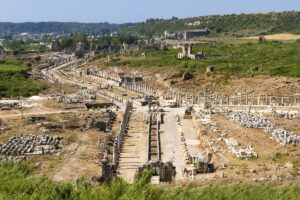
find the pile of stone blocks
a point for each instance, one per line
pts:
(31, 145)
(240, 151)
(84, 95)
(251, 120)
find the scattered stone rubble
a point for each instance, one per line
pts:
(102, 121)
(186, 154)
(204, 117)
(251, 120)
(243, 152)
(84, 95)
(14, 159)
(72, 116)
(112, 96)
(240, 151)
(288, 115)
(31, 145)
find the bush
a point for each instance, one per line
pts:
(17, 183)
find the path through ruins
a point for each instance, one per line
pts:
(134, 151)
(170, 141)
(83, 161)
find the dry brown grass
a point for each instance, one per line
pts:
(280, 36)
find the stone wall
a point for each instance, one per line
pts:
(123, 130)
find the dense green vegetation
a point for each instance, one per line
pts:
(102, 43)
(244, 59)
(14, 79)
(59, 27)
(16, 182)
(19, 46)
(232, 25)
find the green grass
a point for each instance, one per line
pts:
(14, 80)
(16, 182)
(244, 59)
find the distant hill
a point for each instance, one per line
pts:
(59, 27)
(233, 25)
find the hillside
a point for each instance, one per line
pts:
(243, 58)
(231, 25)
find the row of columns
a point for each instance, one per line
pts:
(259, 100)
(140, 88)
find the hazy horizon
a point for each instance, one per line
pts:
(118, 12)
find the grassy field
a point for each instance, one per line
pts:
(14, 80)
(242, 58)
(18, 183)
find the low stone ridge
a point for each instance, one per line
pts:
(238, 150)
(251, 120)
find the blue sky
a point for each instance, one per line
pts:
(119, 11)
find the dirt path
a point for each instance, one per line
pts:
(83, 162)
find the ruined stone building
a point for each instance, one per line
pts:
(187, 53)
(185, 35)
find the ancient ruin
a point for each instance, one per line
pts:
(251, 120)
(29, 145)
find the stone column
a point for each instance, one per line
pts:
(228, 100)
